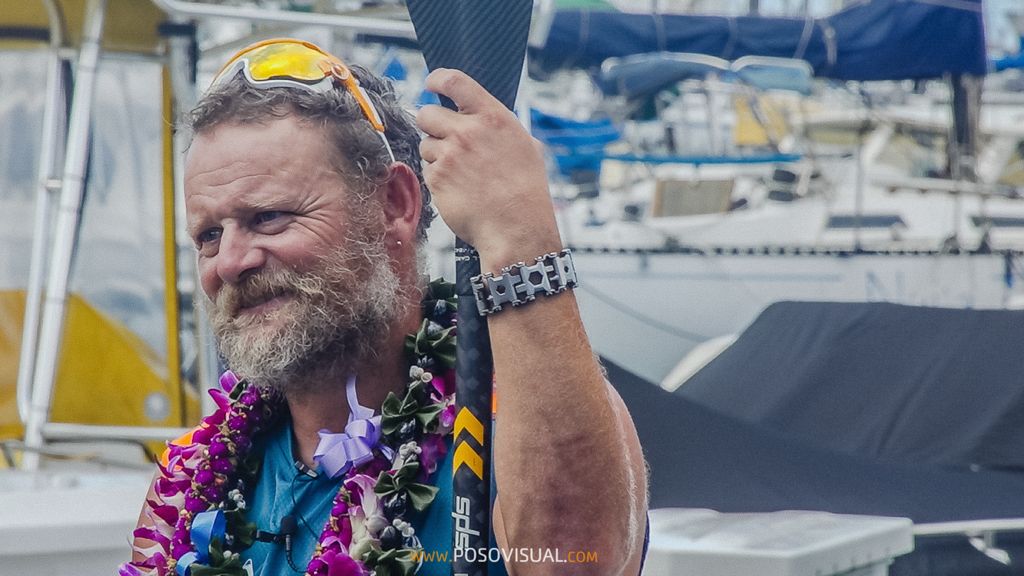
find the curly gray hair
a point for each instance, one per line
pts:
(361, 155)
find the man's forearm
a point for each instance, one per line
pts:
(568, 464)
(565, 477)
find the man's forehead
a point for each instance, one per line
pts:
(246, 153)
(265, 191)
(283, 139)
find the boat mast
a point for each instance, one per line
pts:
(65, 232)
(54, 112)
(962, 145)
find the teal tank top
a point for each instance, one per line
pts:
(283, 489)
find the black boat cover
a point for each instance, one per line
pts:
(905, 384)
(700, 458)
(703, 459)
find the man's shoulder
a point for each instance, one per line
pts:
(198, 437)
(186, 440)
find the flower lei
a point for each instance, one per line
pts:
(205, 474)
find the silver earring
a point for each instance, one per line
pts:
(398, 243)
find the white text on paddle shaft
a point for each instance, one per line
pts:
(461, 515)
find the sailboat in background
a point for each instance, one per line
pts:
(895, 195)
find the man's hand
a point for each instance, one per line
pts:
(567, 460)
(486, 173)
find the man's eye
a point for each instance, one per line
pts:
(207, 236)
(268, 216)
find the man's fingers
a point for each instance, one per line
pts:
(429, 149)
(436, 121)
(467, 94)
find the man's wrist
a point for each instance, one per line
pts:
(521, 283)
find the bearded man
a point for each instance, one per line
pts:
(306, 190)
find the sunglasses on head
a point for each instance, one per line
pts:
(290, 63)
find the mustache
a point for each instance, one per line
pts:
(255, 290)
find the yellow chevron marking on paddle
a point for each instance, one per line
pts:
(468, 422)
(465, 455)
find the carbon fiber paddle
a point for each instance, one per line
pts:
(486, 39)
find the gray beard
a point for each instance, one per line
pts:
(335, 318)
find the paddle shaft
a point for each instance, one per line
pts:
(486, 39)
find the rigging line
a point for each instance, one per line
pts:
(667, 328)
(805, 38)
(743, 285)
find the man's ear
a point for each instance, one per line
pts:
(402, 201)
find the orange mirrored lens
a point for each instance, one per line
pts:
(283, 58)
(288, 61)
(301, 62)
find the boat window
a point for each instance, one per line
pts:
(21, 112)
(118, 264)
(997, 221)
(674, 197)
(865, 221)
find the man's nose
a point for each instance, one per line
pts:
(238, 256)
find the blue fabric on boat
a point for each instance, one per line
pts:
(576, 145)
(873, 40)
(1010, 62)
(643, 75)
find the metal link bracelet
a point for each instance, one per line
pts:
(520, 284)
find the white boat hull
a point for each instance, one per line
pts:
(68, 524)
(646, 310)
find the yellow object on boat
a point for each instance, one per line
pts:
(751, 131)
(107, 375)
(1013, 173)
(132, 25)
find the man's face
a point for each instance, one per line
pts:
(294, 268)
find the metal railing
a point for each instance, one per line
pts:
(363, 24)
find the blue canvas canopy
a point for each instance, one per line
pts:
(871, 40)
(641, 76)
